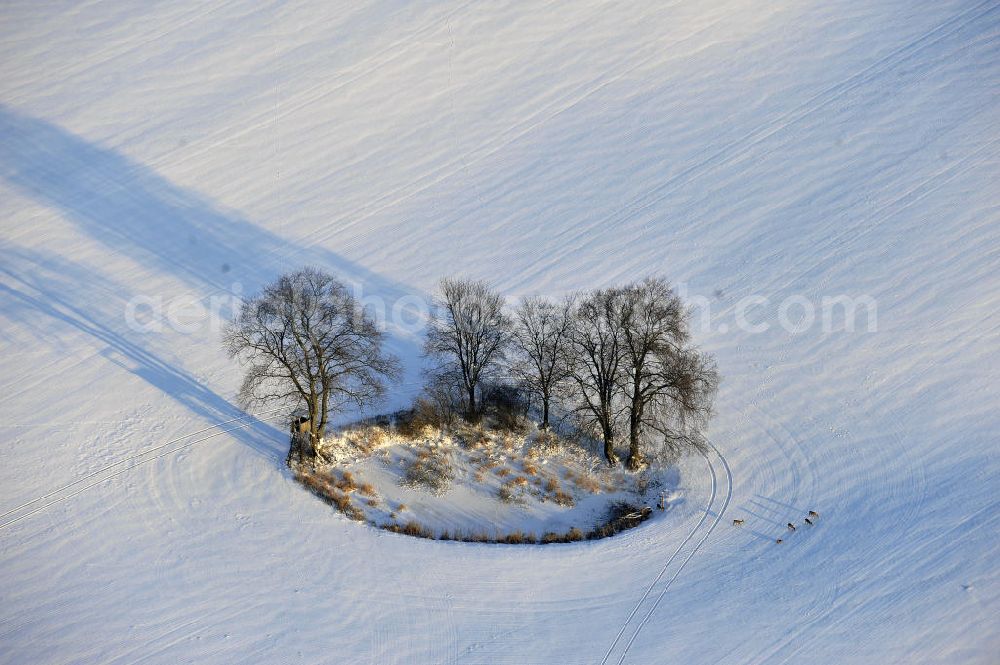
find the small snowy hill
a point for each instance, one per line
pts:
(165, 159)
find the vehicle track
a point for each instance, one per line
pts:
(137, 459)
(676, 552)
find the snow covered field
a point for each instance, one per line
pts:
(155, 158)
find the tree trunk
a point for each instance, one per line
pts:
(545, 412)
(609, 446)
(472, 403)
(635, 460)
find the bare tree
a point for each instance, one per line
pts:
(596, 363)
(541, 337)
(682, 404)
(469, 333)
(667, 385)
(306, 342)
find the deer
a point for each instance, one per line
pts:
(737, 522)
(809, 522)
(779, 541)
(813, 514)
(791, 527)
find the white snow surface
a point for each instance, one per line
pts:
(175, 150)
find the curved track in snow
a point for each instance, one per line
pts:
(655, 600)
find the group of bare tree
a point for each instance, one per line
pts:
(619, 359)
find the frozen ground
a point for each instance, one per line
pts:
(780, 149)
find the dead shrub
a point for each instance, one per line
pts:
(574, 534)
(416, 529)
(346, 482)
(518, 538)
(341, 501)
(431, 472)
(507, 405)
(367, 489)
(563, 499)
(588, 484)
(420, 422)
(367, 439)
(520, 481)
(529, 469)
(503, 472)
(354, 513)
(551, 485)
(508, 493)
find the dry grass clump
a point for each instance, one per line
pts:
(432, 472)
(587, 484)
(529, 469)
(574, 534)
(518, 538)
(510, 442)
(318, 484)
(508, 493)
(503, 472)
(367, 489)
(520, 481)
(373, 503)
(343, 503)
(327, 490)
(563, 498)
(478, 537)
(551, 484)
(368, 439)
(411, 528)
(421, 423)
(347, 482)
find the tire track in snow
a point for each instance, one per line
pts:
(676, 552)
(131, 458)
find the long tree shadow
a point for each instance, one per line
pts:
(134, 211)
(38, 284)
